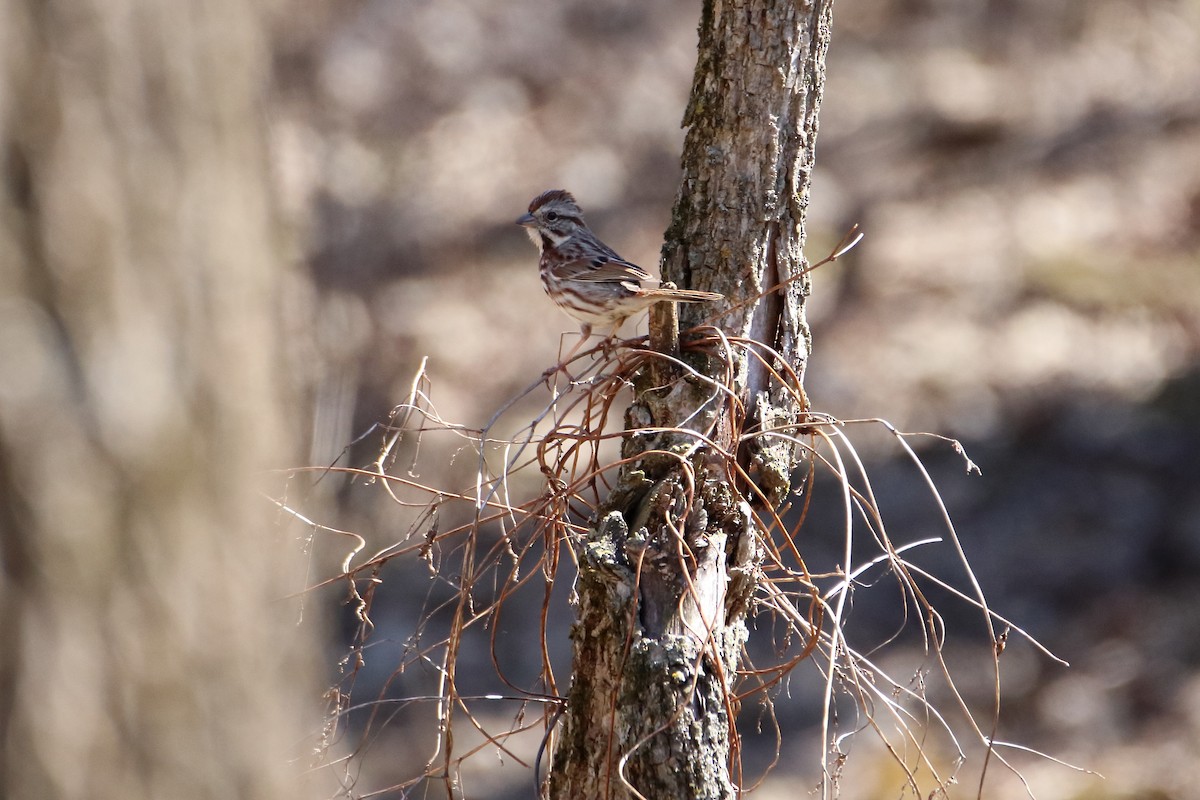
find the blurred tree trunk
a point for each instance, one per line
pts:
(144, 649)
(667, 574)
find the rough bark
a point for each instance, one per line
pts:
(144, 650)
(668, 569)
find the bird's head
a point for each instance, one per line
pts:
(553, 217)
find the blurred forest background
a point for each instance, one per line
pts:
(1027, 174)
(1028, 178)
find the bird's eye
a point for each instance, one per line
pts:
(551, 216)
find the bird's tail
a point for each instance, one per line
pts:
(681, 295)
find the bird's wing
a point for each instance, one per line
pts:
(601, 268)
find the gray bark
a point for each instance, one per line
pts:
(144, 649)
(668, 569)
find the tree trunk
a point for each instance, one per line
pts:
(667, 572)
(144, 650)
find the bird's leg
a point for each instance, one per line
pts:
(585, 332)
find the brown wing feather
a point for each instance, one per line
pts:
(606, 269)
(601, 269)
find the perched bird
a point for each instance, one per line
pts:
(583, 275)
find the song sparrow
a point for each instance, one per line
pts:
(584, 276)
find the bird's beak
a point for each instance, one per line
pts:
(528, 221)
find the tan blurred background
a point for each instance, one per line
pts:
(148, 644)
(1028, 178)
